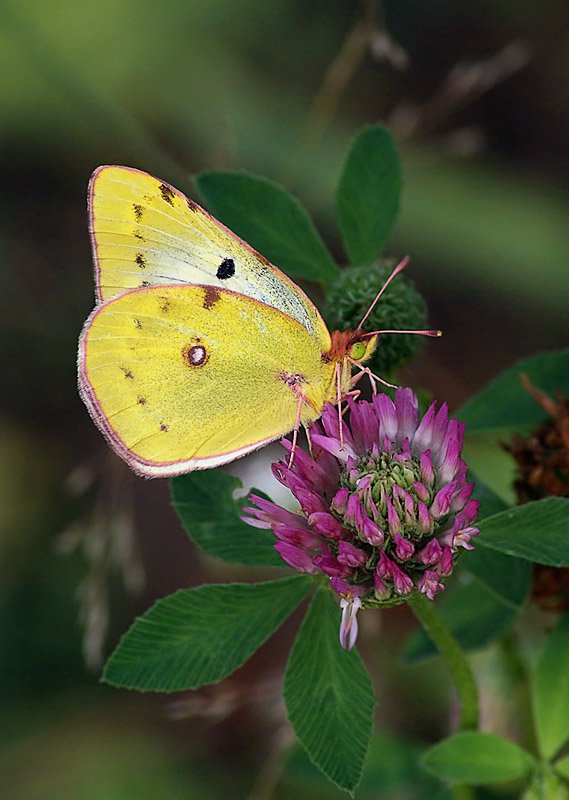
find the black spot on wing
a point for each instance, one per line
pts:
(137, 322)
(127, 373)
(140, 260)
(138, 211)
(226, 269)
(163, 427)
(141, 401)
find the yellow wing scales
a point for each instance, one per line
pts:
(146, 233)
(189, 377)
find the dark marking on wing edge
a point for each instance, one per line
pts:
(262, 259)
(145, 283)
(140, 260)
(210, 297)
(127, 373)
(163, 427)
(138, 209)
(226, 269)
(193, 206)
(167, 193)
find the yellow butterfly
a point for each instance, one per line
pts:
(198, 350)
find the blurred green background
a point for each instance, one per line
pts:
(477, 97)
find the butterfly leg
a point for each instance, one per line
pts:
(295, 430)
(308, 439)
(355, 393)
(294, 382)
(338, 370)
(371, 375)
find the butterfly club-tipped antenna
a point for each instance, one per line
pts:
(361, 336)
(396, 270)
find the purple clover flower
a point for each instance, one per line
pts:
(384, 513)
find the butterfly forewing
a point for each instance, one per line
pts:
(189, 377)
(145, 233)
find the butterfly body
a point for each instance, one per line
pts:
(198, 350)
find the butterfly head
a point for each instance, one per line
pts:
(352, 345)
(362, 346)
(356, 347)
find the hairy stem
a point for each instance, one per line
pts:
(454, 658)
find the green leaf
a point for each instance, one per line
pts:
(490, 503)
(473, 615)
(368, 193)
(562, 767)
(505, 405)
(211, 518)
(477, 758)
(507, 577)
(546, 786)
(505, 408)
(536, 531)
(392, 770)
(329, 696)
(270, 220)
(199, 636)
(486, 456)
(551, 691)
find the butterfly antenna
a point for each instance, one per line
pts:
(399, 268)
(435, 333)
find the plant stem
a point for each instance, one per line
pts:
(455, 659)
(517, 679)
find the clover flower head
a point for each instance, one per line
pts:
(385, 508)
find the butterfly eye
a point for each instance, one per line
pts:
(358, 350)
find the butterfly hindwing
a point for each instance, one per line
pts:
(185, 377)
(145, 233)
